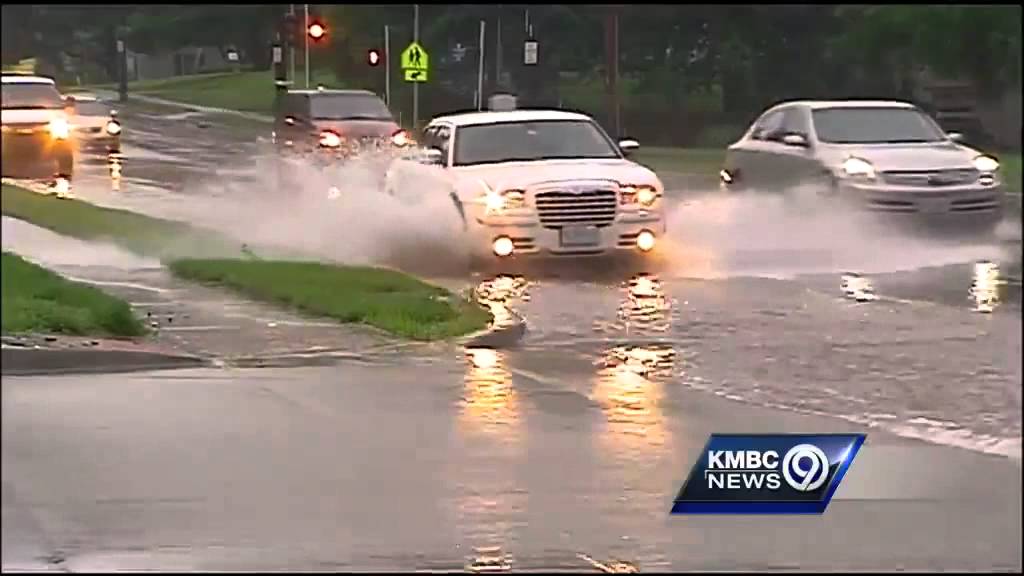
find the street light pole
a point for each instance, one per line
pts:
(416, 85)
(305, 35)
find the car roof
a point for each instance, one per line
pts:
(476, 118)
(21, 79)
(823, 104)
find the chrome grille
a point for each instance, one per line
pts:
(954, 177)
(586, 208)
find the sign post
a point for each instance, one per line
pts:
(415, 69)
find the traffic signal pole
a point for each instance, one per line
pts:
(416, 85)
(387, 65)
(306, 36)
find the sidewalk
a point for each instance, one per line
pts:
(194, 107)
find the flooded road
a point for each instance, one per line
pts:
(562, 453)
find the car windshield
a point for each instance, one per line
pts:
(530, 141)
(348, 107)
(874, 126)
(31, 96)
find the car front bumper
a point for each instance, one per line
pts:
(530, 239)
(36, 156)
(972, 202)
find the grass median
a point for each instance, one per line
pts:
(387, 299)
(40, 301)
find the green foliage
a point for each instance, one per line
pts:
(37, 300)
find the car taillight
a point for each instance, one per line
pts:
(330, 139)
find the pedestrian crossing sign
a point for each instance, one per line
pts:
(415, 58)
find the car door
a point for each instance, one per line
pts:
(792, 164)
(755, 158)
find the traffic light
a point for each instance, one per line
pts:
(373, 57)
(316, 31)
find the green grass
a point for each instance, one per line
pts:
(37, 300)
(244, 91)
(1011, 171)
(386, 299)
(135, 232)
(705, 161)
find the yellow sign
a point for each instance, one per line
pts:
(415, 58)
(415, 75)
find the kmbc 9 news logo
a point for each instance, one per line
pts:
(767, 473)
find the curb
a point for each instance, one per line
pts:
(197, 108)
(32, 361)
(505, 336)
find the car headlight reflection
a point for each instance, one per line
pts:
(59, 128)
(330, 139)
(986, 164)
(401, 138)
(642, 195)
(113, 127)
(858, 168)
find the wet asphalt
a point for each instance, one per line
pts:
(564, 452)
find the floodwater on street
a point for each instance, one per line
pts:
(561, 453)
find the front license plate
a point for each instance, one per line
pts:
(580, 236)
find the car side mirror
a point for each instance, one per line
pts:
(432, 157)
(955, 137)
(794, 139)
(628, 145)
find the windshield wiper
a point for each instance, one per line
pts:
(31, 107)
(364, 117)
(906, 141)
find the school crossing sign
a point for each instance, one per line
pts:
(415, 63)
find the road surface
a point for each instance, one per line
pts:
(542, 457)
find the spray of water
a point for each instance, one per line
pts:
(717, 234)
(339, 213)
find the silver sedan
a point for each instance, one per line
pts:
(885, 156)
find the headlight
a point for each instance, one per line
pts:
(497, 202)
(986, 164)
(59, 128)
(401, 138)
(858, 168)
(113, 128)
(643, 195)
(330, 139)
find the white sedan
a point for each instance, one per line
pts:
(536, 182)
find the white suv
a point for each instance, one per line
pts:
(536, 182)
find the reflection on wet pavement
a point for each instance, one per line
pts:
(629, 391)
(115, 161)
(858, 288)
(610, 567)
(489, 559)
(490, 403)
(498, 294)
(985, 289)
(645, 305)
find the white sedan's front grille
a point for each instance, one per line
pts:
(558, 209)
(952, 177)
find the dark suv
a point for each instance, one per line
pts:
(335, 123)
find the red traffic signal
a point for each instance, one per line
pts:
(373, 57)
(316, 31)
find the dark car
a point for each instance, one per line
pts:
(335, 123)
(37, 135)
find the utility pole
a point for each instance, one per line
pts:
(480, 72)
(387, 65)
(122, 66)
(612, 67)
(416, 85)
(497, 53)
(290, 40)
(305, 34)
